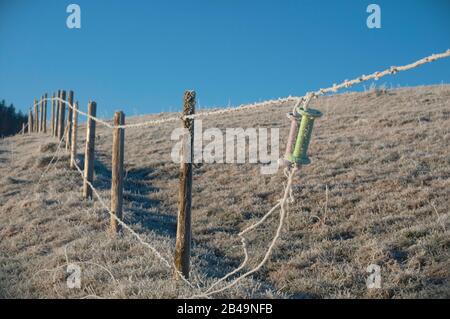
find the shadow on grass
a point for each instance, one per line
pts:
(137, 193)
(139, 207)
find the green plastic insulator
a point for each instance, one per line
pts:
(299, 155)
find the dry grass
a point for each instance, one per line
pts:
(378, 191)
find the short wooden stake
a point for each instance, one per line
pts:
(23, 128)
(69, 121)
(73, 146)
(89, 151)
(117, 170)
(62, 112)
(184, 232)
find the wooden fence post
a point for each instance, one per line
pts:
(30, 121)
(89, 151)
(23, 128)
(57, 106)
(184, 232)
(44, 118)
(73, 146)
(69, 121)
(36, 116)
(117, 170)
(52, 116)
(62, 112)
(41, 113)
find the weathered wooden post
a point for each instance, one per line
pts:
(41, 115)
(117, 170)
(52, 116)
(73, 146)
(36, 116)
(44, 118)
(62, 112)
(58, 106)
(30, 121)
(89, 151)
(69, 120)
(184, 232)
(23, 128)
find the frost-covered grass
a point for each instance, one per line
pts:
(377, 192)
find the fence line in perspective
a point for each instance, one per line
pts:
(180, 269)
(87, 173)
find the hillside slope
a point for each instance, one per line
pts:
(377, 192)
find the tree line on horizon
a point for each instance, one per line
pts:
(10, 120)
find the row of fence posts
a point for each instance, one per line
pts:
(66, 131)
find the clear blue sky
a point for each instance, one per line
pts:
(140, 56)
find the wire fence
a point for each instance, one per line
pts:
(299, 99)
(281, 204)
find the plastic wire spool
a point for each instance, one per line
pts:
(302, 123)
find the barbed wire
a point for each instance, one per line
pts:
(246, 107)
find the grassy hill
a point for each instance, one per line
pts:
(377, 192)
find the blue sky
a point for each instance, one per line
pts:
(139, 56)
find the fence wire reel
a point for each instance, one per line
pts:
(302, 123)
